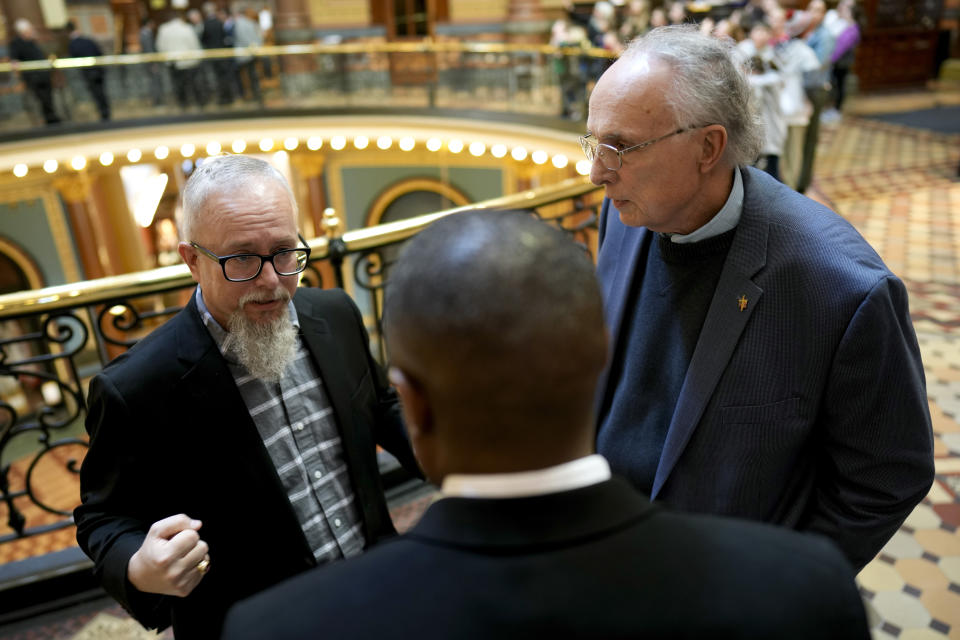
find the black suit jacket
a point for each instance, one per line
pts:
(170, 433)
(597, 562)
(83, 47)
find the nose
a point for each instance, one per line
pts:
(268, 275)
(600, 175)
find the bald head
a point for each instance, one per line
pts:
(497, 318)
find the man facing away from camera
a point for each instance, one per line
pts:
(495, 331)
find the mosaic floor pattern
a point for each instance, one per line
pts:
(898, 186)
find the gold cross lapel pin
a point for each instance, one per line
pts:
(742, 302)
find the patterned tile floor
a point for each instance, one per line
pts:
(898, 186)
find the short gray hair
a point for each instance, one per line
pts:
(709, 86)
(217, 175)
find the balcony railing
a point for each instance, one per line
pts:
(520, 79)
(53, 340)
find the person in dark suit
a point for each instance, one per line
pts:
(215, 37)
(495, 331)
(24, 47)
(764, 364)
(235, 446)
(81, 46)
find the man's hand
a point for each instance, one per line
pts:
(167, 561)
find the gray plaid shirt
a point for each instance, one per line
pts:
(299, 430)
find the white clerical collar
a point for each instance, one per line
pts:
(727, 218)
(575, 474)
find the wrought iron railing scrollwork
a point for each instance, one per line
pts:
(45, 367)
(52, 340)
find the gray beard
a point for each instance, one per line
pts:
(264, 349)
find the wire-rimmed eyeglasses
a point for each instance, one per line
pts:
(240, 267)
(612, 158)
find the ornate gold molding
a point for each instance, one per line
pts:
(74, 189)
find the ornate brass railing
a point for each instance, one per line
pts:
(52, 340)
(428, 73)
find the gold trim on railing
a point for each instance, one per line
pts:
(305, 49)
(102, 290)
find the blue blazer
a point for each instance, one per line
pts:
(804, 403)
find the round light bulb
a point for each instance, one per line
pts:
(50, 165)
(434, 144)
(161, 152)
(213, 148)
(20, 170)
(477, 148)
(134, 155)
(361, 142)
(238, 146)
(498, 150)
(518, 153)
(106, 158)
(290, 143)
(314, 143)
(407, 143)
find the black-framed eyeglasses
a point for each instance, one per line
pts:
(240, 267)
(612, 158)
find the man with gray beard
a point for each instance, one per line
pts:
(236, 445)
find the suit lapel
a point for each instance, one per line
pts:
(734, 302)
(326, 354)
(616, 270)
(208, 384)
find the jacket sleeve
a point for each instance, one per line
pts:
(107, 530)
(390, 431)
(876, 462)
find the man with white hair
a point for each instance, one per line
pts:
(24, 47)
(240, 437)
(764, 364)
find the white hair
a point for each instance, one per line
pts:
(218, 175)
(22, 26)
(708, 86)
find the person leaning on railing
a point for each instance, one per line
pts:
(235, 446)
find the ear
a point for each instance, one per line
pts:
(713, 146)
(189, 255)
(418, 417)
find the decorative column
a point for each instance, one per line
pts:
(312, 194)
(292, 25)
(126, 16)
(75, 191)
(526, 22)
(309, 168)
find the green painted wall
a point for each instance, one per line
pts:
(25, 225)
(362, 185)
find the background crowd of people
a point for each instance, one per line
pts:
(192, 82)
(799, 60)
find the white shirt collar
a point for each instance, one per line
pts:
(727, 218)
(575, 474)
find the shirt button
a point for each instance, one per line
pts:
(317, 474)
(336, 522)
